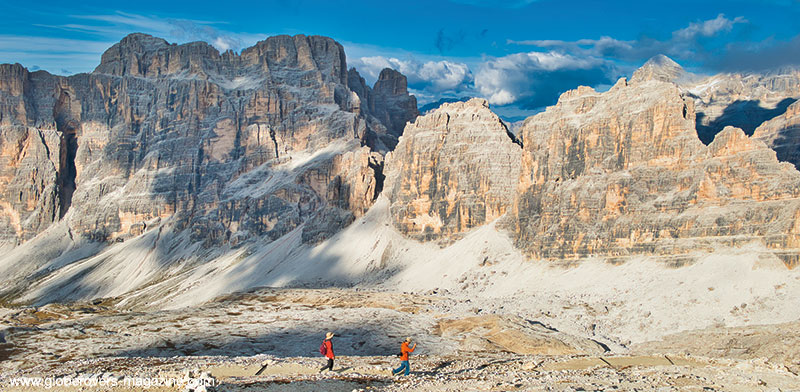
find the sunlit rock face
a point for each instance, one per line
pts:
(283, 145)
(454, 169)
(623, 172)
(228, 146)
(609, 174)
(30, 149)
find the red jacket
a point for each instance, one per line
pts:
(404, 350)
(329, 352)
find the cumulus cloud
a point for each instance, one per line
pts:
(370, 67)
(702, 43)
(535, 79)
(445, 75)
(694, 42)
(707, 28)
(431, 78)
(528, 80)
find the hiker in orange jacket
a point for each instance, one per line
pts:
(328, 344)
(404, 350)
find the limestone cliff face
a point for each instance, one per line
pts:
(30, 149)
(282, 144)
(453, 169)
(623, 172)
(230, 147)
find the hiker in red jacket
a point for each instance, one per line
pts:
(326, 349)
(404, 350)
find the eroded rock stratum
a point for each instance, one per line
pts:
(623, 172)
(454, 169)
(610, 174)
(183, 132)
(199, 161)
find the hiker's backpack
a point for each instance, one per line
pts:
(323, 348)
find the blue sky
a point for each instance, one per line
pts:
(520, 54)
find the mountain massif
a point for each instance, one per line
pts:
(169, 156)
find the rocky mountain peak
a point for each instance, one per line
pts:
(142, 40)
(211, 120)
(143, 55)
(662, 61)
(659, 67)
(732, 140)
(472, 102)
(302, 52)
(389, 102)
(393, 104)
(454, 169)
(581, 91)
(391, 82)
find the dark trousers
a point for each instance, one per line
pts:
(329, 366)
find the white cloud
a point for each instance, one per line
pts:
(183, 30)
(445, 75)
(370, 67)
(690, 42)
(532, 80)
(144, 23)
(708, 28)
(429, 78)
(174, 30)
(535, 79)
(96, 33)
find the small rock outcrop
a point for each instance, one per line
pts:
(453, 169)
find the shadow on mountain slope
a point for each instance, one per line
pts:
(787, 145)
(747, 115)
(109, 271)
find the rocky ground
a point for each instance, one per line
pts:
(463, 344)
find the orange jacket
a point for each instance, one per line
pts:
(329, 345)
(404, 350)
